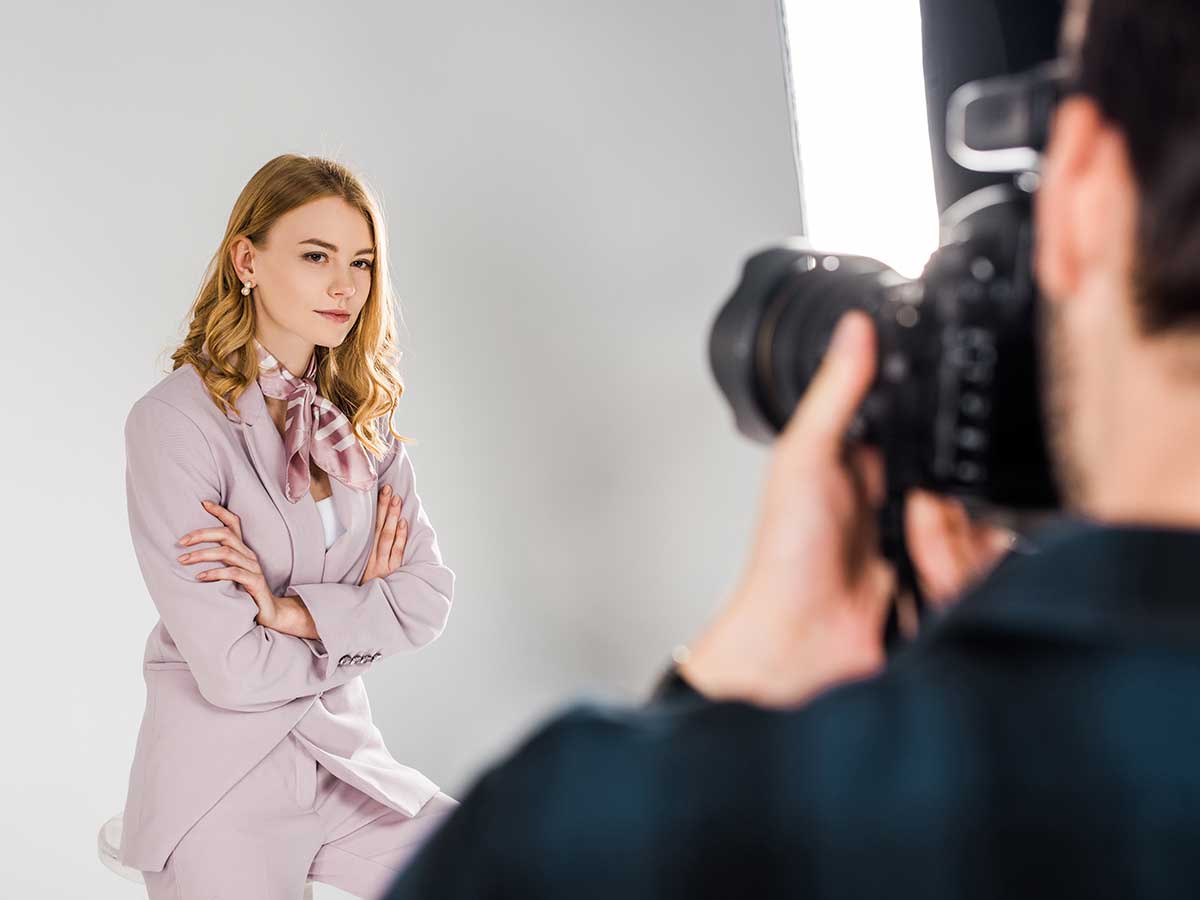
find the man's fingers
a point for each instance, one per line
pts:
(824, 414)
(933, 542)
(991, 541)
(978, 544)
(868, 466)
(959, 529)
(883, 580)
(948, 550)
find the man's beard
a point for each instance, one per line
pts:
(1058, 378)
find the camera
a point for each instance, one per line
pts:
(955, 405)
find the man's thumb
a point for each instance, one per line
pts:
(837, 389)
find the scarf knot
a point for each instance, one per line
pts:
(314, 429)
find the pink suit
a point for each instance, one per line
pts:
(223, 693)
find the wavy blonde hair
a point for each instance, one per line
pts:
(358, 376)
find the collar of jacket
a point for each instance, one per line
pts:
(1086, 582)
(311, 560)
(252, 406)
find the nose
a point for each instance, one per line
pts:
(343, 289)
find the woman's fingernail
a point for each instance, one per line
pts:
(396, 500)
(387, 489)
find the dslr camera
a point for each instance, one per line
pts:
(956, 403)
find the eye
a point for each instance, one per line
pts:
(367, 264)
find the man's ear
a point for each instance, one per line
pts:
(1058, 205)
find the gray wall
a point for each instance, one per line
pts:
(571, 188)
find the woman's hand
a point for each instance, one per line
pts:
(242, 567)
(391, 534)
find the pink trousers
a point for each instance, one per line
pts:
(289, 819)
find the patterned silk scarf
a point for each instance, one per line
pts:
(314, 428)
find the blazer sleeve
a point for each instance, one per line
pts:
(401, 612)
(237, 663)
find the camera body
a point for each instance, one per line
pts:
(956, 404)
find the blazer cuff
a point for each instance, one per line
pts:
(358, 624)
(337, 611)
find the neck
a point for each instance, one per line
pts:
(293, 352)
(1145, 468)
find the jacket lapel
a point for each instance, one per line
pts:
(353, 508)
(310, 561)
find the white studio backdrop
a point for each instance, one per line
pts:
(571, 189)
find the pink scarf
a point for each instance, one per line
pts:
(314, 428)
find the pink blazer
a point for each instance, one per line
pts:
(222, 691)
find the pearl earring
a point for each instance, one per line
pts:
(245, 289)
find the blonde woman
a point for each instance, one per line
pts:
(276, 522)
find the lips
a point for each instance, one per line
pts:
(340, 318)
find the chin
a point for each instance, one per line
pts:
(333, 336)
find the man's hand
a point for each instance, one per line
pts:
(810, 608)
(949, 551)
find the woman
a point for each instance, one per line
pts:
(276, 522)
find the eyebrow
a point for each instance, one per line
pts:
(333, 247)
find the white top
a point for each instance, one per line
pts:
(333, 528)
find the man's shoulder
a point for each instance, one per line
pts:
(618, 779)
(614, 734)
(931, 704)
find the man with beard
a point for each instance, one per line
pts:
(1040, 737)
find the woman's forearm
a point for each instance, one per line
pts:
(291, 617)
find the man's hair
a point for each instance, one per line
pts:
(1139, 60)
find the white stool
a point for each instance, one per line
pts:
(108, 844)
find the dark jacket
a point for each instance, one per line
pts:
(1042, 738)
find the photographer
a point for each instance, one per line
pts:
(1039, 737)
